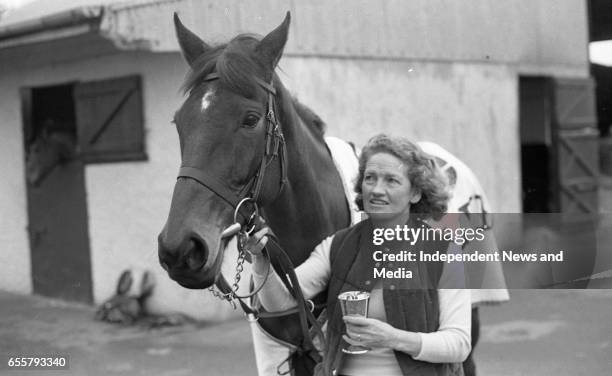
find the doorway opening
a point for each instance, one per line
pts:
(57, 208)
(536, 144)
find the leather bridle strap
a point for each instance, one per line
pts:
(290, 280)
(213, 184)
(269, 88)
(210, 182)
(286, 272)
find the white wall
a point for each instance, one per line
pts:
(536, 36)
(15, 255)
(469, 109)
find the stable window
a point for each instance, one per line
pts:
(110, 120)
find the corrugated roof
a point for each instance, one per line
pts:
(488, 31)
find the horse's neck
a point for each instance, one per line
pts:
(312, 205)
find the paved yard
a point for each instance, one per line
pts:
(560, 333)
(34, 325)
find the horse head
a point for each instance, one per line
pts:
(47, 151)
(222, 127)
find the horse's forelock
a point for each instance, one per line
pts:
(202, 66)
(234, 64)
(236, 72)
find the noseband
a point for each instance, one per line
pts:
(274, 149)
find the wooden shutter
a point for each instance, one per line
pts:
(110, 121)
(576, 145)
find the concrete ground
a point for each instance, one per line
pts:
(548, 332)
(560, 333)
(35, 325)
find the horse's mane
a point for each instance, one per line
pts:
(234, 64)
(309, 116)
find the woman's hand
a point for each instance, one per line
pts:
(255, 245)
(257, 241)
(375, 333)
(369, 332)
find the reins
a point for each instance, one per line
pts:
(275, 149)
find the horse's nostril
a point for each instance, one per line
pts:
(197, 253)
(167, 259)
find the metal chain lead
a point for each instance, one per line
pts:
(220, 295)
(230, 296)
(239, 268)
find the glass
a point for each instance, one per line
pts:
(354, 303)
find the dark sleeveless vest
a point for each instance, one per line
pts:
(408, 305)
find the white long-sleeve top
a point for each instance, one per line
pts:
(451, 343)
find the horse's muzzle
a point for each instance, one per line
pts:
(188, 280)
(185, 261)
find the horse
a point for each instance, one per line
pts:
(227, 145)
(244, 137)
(48, 150)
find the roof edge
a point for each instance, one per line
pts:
(72, 17)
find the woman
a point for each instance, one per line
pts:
(413, 327)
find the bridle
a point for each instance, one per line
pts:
(275, 149)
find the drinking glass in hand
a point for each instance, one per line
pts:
(354, 303)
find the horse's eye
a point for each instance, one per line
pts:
(250, 120)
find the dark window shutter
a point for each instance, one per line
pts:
(576, 145)
(110, 120)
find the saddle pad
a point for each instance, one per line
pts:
(466, 185)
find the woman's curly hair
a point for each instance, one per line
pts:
(423, 174)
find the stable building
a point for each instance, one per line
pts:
(490, 81)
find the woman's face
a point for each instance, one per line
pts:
(386, 190)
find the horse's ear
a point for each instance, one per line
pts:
(191, 45)
(270, 49)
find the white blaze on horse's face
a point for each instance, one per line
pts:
(208, 98)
